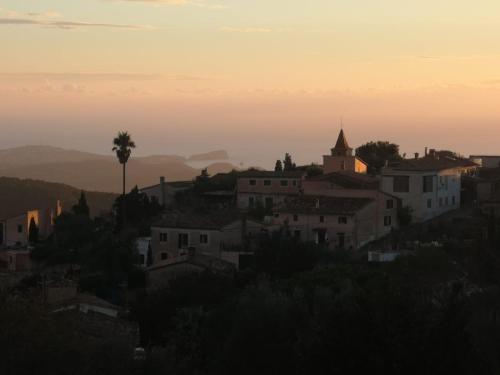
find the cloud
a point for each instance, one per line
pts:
(93, 77)
(67, 24)
(196, 3)
(246, 30)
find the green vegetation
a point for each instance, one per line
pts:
(376, 154)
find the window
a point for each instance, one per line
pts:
(429, 203)
(401, 184)
(267, 182)
(321, 219)
(387, 221)
(453, 200)
(204, 239)
(295, 217)
(164, 256)
(446, 201)
(296, 233)
(251, 202)
(19, 228)
(142, 259)
(284, 182)
(253, 182)
(294, 182)
(183, 240)
(163, 237)
(269, 202)
(440, 202)
(276, 215)
(427, 184)
(342, 220)
(389, 204)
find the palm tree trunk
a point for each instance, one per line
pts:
(123, 178)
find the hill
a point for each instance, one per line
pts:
(96, 172)
(17, 196)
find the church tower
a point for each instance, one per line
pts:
(342, 147)
(342, 158)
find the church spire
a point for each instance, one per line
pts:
(341, 147)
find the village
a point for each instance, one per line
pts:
(230, 224)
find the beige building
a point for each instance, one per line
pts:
(14, 231)
(221, 235)
(334, 222)
(346, 184)
(165, 192)
(267, 188)
(342, 158)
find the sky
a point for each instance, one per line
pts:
(255, 77)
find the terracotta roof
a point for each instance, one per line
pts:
(429, 163)
(214, 220)
(324, 205)
(349, 179)
(173, 184)
(272, 174)
(342, 141)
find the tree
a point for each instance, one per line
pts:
(279, 166)
(288, 165)
(123, 146)
(314, 170)
(81, 208)
(33, 231)
(376, 154)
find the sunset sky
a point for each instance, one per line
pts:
(255, 77)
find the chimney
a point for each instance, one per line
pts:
(416, 155)
(432, 153)
(162, 190)
(426, 151)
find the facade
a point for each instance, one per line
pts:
(143, 245)
(209, 234)
(165, 192)
(430, 186)
(267, 188)
(334, 222)
(485, 190)
(342, 158)
(15, 260)
(14, 231)
(345, 184)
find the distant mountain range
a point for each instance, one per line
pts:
(94, 172)
(18, 196)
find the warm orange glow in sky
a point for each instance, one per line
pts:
(187, 76)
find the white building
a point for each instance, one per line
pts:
(430, 185)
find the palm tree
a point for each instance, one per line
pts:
(123, 146)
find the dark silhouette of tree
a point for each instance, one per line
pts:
(288, 164)
(33, 231)
(376, 154)
(81, 208)
(279, 166)
(123, 146)
(314, 170)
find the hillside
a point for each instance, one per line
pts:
(96, 172)
(18, 195)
